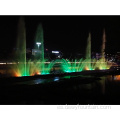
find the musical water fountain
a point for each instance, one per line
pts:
(24, 67)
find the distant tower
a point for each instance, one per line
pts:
(103, 45)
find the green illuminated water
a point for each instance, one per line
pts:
(41, 66)
(39, 38)
(21, 69)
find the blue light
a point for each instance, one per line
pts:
(56, 78)
(38, 81)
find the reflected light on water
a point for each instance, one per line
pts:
(117, 77)
(38, 81)
(56, 78)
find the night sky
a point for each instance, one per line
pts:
(64, 33)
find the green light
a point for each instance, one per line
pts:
(39, 67)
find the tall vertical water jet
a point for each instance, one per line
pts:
(102, 63)
(39, 45)
(20, 68)
(103, 46)
(88, 53)
(88, 48)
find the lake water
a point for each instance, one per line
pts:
(63, 90)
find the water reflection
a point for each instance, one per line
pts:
(97, 85)
(116, 77)
(102, 84)
(76, 90)
(110, 85)
(56, 78)
(38, 81)
(112, 78)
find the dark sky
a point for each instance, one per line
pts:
(65, 33)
